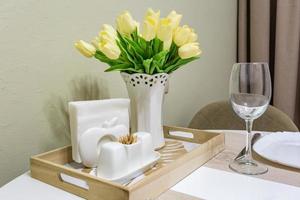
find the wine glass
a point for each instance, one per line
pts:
(250, 94)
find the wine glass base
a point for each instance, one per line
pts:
(247, 166)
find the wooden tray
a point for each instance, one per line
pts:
(50, 168)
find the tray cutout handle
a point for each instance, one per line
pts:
(73, 181)
(182, 134)
(188, 134)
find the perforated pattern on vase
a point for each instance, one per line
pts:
(145, 79)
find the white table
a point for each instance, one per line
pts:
(214, 180)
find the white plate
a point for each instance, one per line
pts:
(281, 147)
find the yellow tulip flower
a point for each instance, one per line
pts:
(152, 13)
(109, 49)
(85, 48)
(184, 35)
(126, 24)
(189, 50)
(175, 19)
(165, 29)
(108, 33)
(95, 42)
(167, 44)
(150, 24)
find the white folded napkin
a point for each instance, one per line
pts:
(212, 184)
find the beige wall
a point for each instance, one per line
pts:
(40, 70)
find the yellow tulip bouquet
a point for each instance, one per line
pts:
(162, 46)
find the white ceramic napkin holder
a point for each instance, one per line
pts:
(108, 115)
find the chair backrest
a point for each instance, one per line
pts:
(219, 115)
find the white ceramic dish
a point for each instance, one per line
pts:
(283, 148)
(135, 172)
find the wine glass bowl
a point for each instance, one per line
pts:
(250, 94)
(249, 106)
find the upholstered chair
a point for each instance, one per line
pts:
(219, 115)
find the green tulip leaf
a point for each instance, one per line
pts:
(157, 45)
(179, 63)
(117, 67)
(147, 65)
(143, 43)
(137, 48)
(100, 56)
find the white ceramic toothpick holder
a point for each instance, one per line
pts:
(91, 140)
(118, 160)
(96, 114)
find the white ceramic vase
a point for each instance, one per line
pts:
(146, 93)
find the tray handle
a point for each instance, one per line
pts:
(179, 133)
(73, 181)
(187, 134)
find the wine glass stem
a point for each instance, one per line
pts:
(248, 153)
